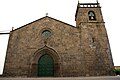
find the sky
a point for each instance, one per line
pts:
(16, 13)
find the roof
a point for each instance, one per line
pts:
(41, 19)
(117, 66)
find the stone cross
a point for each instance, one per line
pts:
(46, 14)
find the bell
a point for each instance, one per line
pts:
(92, 17)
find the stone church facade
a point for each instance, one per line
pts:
(48, 47)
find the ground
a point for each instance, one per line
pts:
(68, 78)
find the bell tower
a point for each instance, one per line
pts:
(88, 12)
(94, 40)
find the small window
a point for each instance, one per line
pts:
(93, 40)
(46, 34)
(91, 15)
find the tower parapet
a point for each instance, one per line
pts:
(89, 5)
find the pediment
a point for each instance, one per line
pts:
(45, 20)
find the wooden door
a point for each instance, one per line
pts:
(46, 66)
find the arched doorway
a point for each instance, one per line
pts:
(45, 55)
(45, 66)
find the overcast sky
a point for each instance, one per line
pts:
(16, 13)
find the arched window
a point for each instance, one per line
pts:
(91, 15)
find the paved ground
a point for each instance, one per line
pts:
(68, 78)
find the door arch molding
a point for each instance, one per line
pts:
(39, 53)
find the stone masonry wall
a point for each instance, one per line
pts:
(25, 41)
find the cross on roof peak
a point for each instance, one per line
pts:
(46, 14)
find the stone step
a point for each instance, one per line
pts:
(68, 78)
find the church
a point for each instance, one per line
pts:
(48, 47)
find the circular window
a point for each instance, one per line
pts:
(46, 34)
